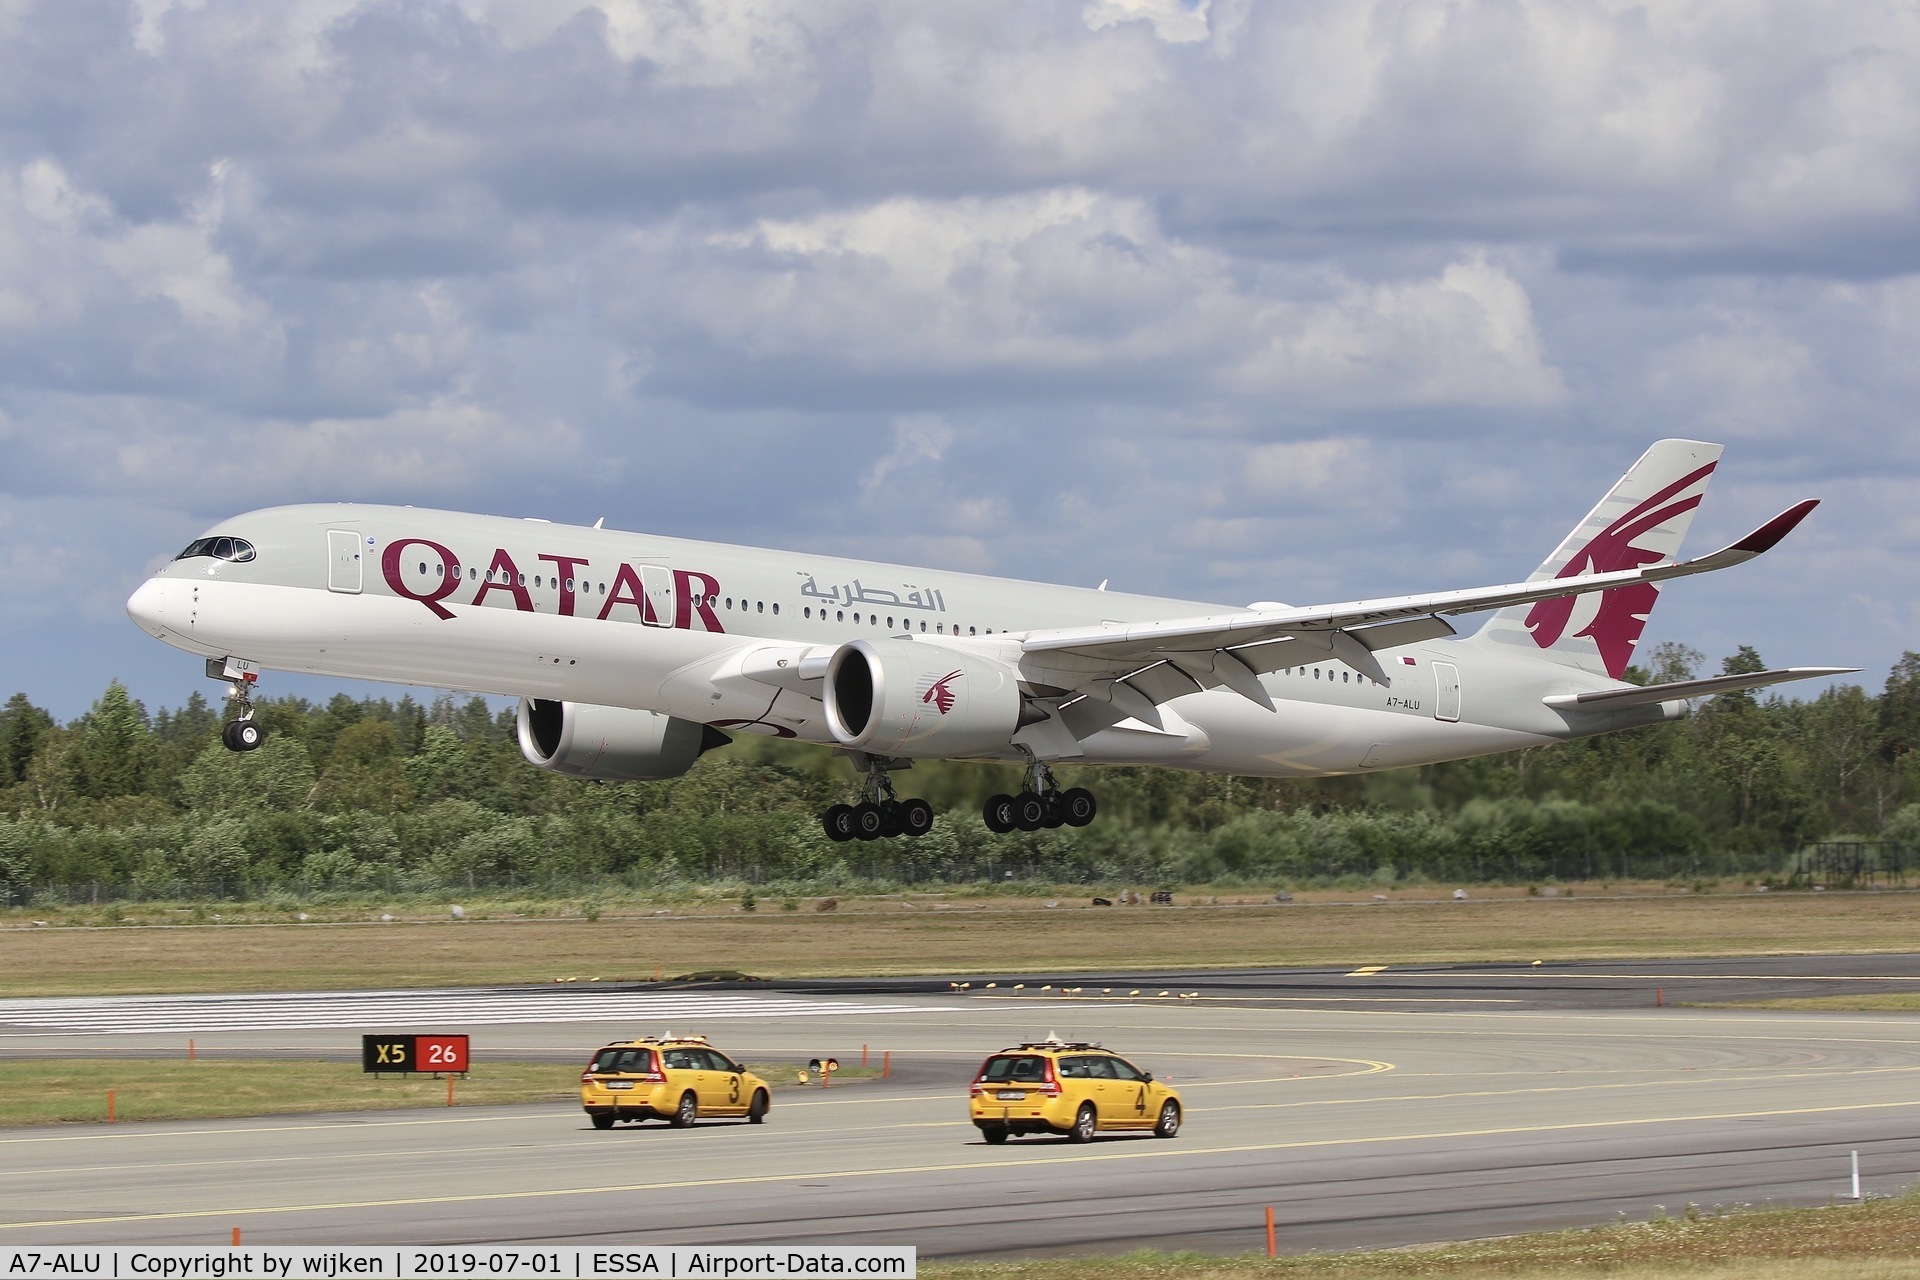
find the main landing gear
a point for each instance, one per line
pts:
(880, 813)
(1042, 804)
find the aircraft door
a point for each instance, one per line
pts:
(343, 561)
(657, 583)
(1446, 701)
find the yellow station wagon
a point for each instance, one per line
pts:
(678, 1079)
(1074, 1089)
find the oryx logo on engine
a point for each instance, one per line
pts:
(939, 692)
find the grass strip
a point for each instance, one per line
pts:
(1891, 1002)
(1877, 1240)
(912, 939)
(65, 1090)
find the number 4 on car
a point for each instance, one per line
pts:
(1075, 1090)
(679, 1079)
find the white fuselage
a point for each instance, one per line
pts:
(588, 615)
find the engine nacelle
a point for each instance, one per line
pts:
(919, 698)
(611, 743)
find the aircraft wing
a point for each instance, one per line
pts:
(1137, 665)
(1647, 695)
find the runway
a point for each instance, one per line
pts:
(1409, 1120)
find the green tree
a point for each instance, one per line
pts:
(22, 726)
(115, 748)
(364, 771)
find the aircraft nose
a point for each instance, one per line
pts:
(152, 604)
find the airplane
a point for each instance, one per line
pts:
(633, 654)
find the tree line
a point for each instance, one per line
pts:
(400, 795)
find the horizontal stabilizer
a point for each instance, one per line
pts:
(1648, 695)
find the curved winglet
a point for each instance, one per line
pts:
(1767, 535)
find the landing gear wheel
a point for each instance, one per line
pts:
(869, 822)
(998, 815)
(242, 735)
(602, 1122)
(838, 822)
(892, 824)
(1083, 1124)
(1029, 811)
(687, 1112)
(1077, 806)
(916, 818)
(1169, 1122)
(757, 1109)
(1056, 816)
(994, 1134)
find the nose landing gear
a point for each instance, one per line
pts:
(240, 733)
(1042, 804)
(880, 812)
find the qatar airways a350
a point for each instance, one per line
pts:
(633, 653)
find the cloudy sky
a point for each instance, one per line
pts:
(1298, 301)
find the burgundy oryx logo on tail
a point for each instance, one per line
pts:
(1622, 613)
(940, 692)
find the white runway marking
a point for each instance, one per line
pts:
(123, 1015)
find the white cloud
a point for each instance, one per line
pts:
(1227, 298)
(1174, 21)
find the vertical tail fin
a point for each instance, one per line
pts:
(1640, 522)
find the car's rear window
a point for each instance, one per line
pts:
(618, 1061)
(1015, 1068)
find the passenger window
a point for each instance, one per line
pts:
(1124, 1070)
(807, 612)
(839, 615)
(776, 608)
(760, 606)
(889, 624)
(1073, 1068)
(1100, 1068)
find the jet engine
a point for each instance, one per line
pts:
(919, 698)
(611, 743)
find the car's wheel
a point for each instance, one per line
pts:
(1083, 1124)
(602, 1122)
(1169, 1122)
(757, 1109)
(688, 1110)
(994, 1134)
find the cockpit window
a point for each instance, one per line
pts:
(236, 549)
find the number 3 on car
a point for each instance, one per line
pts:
(679, 1079)
(1078, 1090)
